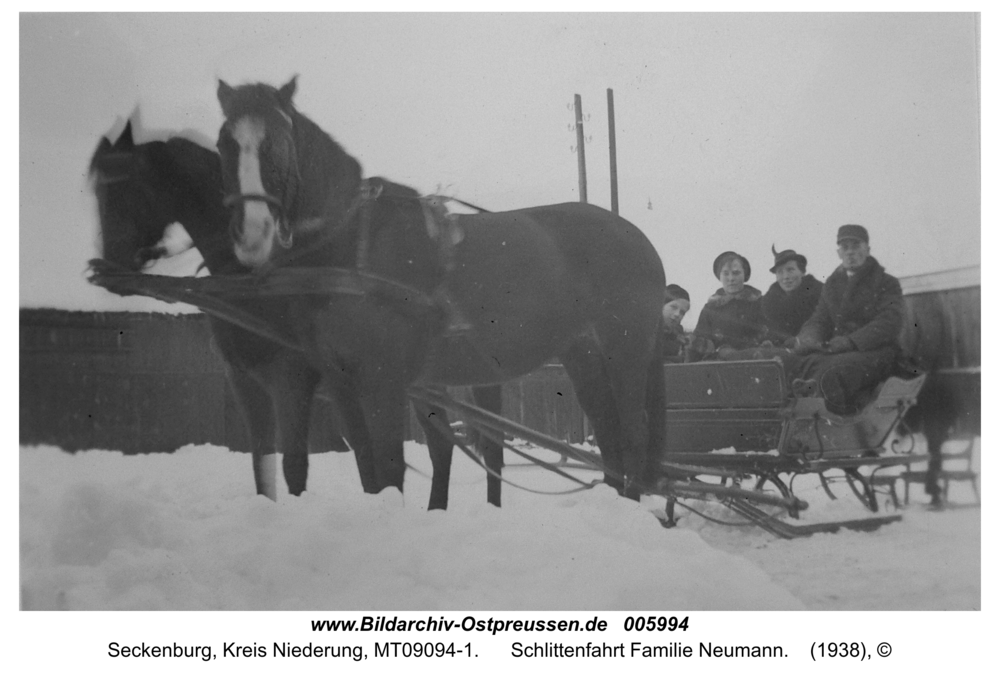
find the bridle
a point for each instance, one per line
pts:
(285, 233)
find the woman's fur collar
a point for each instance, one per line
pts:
(720, 297)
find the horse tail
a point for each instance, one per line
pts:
(656, 407)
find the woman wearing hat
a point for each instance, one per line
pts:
(676, 303)
(790, 300)
(732, 318)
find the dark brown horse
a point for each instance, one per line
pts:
(571, 281)
(141, 189)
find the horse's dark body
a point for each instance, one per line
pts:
(567, 280)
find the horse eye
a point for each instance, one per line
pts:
(225, 135)
(279, 151)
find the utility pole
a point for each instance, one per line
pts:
(581, 161)
(612, 150)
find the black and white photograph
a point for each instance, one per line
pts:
(519, 312)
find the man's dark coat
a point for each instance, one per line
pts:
(866, 307)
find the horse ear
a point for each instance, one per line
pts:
(125, 141)
(225, 96)
(103, 148)
(286, 93)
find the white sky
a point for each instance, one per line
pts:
(734, 131)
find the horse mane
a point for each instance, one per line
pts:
(343, 171)
(394, 190)
(199, 168)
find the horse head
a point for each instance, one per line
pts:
(133, 213)
(142, 189)
(282, 175)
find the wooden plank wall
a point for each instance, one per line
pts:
(123, 381)
(941, 330)
(139, 382)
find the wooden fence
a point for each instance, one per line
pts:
(139, 382)
(941, 330)
(151, 382)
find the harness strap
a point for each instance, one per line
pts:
(366, 196)
(232, 200)
(442, 228)
(479, 417)
(417, 396)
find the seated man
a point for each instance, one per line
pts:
(851, 341)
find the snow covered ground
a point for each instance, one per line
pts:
(184, 531)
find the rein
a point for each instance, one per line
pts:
(366, 194)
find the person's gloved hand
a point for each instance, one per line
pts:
(841, 344)
(807, 346)
(725, 353)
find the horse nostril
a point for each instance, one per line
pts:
(236, 228)
(284, 234)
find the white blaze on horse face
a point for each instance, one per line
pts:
(259, 229)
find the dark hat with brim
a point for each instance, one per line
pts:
(675, 292)
(787, 256)
(726, 257)
(852, 232)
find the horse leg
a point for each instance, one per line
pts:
(629, 371)
(585, 367)
(936, 432)
(355, 430)
(491, 400)
(384, 405)
(254, 404)
(656, 406)
(292, 383)
(440, 449)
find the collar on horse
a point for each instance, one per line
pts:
(441, 227)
